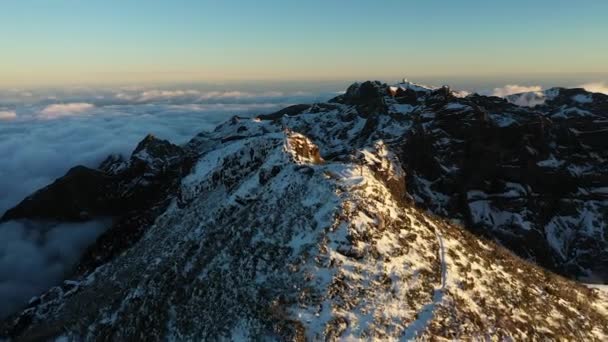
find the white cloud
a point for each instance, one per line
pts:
(150, 95)
(7, 115)
(528, 99)
(65, 109)
(36, 256)
(511, 89)
(596, 87)
(197, 96)
(525, 96)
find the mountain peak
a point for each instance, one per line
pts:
(364, 93)
(405, 84)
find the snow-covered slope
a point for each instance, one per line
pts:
(307, 224)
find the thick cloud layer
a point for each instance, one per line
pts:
(511, 89)
(34, 256)
(58, 110)
(530, 96)
(7, 115)
(44, 133)
(596, 87)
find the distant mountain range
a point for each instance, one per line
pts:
(391, 212)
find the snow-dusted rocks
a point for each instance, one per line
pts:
(523, 176)
(309, 224)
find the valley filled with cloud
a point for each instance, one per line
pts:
(46, 132)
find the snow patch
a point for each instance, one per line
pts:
(580, 98)
(8, 115)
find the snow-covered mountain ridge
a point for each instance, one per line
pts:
(310, 223)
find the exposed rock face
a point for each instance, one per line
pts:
(307, 224)
(304, 150)
(535, 179)
(83, 192)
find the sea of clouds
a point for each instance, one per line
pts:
(43, 133)
(532, 95)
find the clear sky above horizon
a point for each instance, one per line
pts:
(48, 42)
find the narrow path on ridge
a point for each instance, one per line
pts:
(416, 328)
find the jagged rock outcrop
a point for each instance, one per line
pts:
(309, 224)
(530, 178)
(113, 189)
(79, 195)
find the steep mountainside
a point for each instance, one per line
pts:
(311, 223)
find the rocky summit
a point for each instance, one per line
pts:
(391, 212)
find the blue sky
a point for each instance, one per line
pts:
(70, 41)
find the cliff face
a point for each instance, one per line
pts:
(310, 223)
(535, 179)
